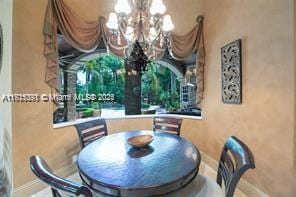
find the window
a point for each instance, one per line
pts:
(185, 94)
(97, 80)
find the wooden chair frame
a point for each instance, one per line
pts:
(167, 124)
(91, 130)
(41, 169)
(236, 158)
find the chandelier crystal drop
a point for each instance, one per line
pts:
(142, 21)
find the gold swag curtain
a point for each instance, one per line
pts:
(81, 34)
(85, 36)
(188, 44)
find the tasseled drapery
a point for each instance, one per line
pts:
(85, 36)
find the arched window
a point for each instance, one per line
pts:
(96, 81)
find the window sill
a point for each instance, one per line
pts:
(71, 123)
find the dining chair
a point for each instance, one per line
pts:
(236, 158)
(167, 124)
(58, 185)
(91, 130)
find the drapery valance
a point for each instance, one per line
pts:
(85, 36)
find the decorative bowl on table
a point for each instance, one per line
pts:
(140, 141)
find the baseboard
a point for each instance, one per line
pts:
(243, 185)
(37, 185)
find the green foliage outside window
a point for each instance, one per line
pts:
(160, 87)
(105, 75)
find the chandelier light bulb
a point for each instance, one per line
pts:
(157, 7)
(167, 23)
(113, 21)
(122, 6)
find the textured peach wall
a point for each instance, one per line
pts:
(264, 120)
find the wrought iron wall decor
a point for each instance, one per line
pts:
(1, 46)
(231, 73)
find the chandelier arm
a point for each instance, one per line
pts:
(158, 49)
(146, 39)
(121, 29)
(118, 47)
(157, 26)
(154, 41)
(158, 22)
(159, 32)
(159, 35)
(122, 21)
(156, 52)
(122, 25)
(122, 32)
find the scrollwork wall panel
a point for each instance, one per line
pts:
(231, 73)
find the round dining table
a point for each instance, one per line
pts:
(111, 166)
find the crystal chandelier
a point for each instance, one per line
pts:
(141, 21)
